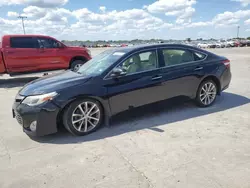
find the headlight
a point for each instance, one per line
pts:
(89, 52)
(38, 99)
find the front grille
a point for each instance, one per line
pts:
(19, 118)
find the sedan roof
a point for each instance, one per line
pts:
(148, 46)
(145, 46)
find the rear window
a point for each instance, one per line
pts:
(177, 56)
(23, 42)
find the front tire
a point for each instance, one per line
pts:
(76, 65)
(83, 117)
(207, 93)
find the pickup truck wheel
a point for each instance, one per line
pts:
(75, 65)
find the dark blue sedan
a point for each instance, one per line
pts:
(117, 80)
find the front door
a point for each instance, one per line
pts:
(51, 56)
(141, 85)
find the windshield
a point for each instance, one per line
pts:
(100, 63)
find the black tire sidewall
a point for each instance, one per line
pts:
(198, 99)
(68, 115)
(76, 62)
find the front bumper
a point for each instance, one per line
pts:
(45, 116)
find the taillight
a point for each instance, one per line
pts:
(226, 63)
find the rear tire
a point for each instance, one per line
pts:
(83, 117)
(207, 93)
(76, 65)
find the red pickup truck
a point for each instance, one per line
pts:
(22, 54)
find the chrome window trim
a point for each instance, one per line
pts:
(140, 51)
(156, 49)
(181, 48)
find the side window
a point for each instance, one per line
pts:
(140, 62)
(199, 56)
(23, 42)
(47, 43)
(177, 57)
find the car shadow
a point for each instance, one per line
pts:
(15, 82)
(149, 117)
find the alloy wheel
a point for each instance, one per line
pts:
(86, 117)
(208, 93)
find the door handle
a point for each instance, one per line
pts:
(156, 77)
(198, 68)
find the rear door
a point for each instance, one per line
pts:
(181, 70)
(141, 85)
(22, 55)
(51, 55)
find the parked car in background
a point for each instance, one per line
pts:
(117, 80)
(230, 44)
(212, 45)
(220, 45)
(202, 45)
(22, 54)
(124, 45)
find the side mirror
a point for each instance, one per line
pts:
(118, 72)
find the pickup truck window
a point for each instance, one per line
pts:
(47, 43)
(23, 42)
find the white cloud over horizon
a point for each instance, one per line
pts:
(50, 18)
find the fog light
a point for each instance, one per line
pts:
(33, 126)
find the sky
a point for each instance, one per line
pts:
(127, 19)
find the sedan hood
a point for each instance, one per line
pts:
(53, 83)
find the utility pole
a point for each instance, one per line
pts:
(238, 31)
(22, 18)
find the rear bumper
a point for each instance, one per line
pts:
(225, 79)
(45, 117)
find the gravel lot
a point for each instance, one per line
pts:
(165, 146)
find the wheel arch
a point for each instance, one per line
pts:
(103, 103)
(82, 58)
(215, 80)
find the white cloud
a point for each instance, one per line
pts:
(33, 12)
(229, 18)
(163, 6)
(118, 22)
(247, 22)
(181, 8)
(38, 3)
(199, 24)
(102, 9)
(132, 23)
(244, 3)
(12, 14)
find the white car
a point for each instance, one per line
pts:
(220, 45)
(202, 45)
(230, 43)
